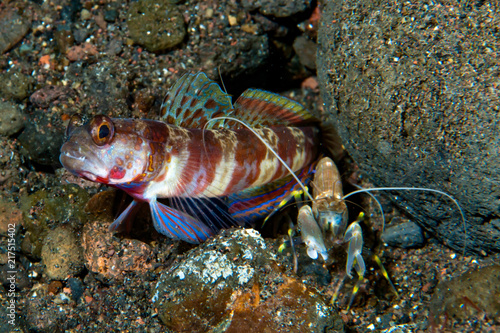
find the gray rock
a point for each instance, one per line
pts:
(405, 235)
(15, 85)
(81, 35)
(413, 91)
(474, 293)
(11, 118)
(77, 288)
(306, 51)
(277, 8)
(41, 141)
(157, 25)
(62, 254)
(13, 27)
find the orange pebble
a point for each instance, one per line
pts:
(44, 60)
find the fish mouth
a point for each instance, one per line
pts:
(82, 162)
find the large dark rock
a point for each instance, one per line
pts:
(413, 91)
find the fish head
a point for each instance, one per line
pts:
(104, 151)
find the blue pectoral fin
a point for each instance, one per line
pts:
(178, 225)
(126, 217)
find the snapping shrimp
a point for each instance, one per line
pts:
(329, 215)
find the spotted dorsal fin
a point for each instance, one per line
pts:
(193, 100)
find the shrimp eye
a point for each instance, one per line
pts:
(74, 122)
(101, 130)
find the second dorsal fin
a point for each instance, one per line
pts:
(263, 108)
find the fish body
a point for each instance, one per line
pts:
(182, 157)
(151, 159)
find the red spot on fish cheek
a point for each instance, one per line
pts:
(117, 173)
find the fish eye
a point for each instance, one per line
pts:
(74, 122)
(102, 130)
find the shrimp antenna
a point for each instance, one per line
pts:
(374, 198)
(270, 149)
(419, 189)
(222, 82)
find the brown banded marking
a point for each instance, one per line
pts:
(267, 163)
(172, 155)
(253, 151)
(245, 169)
(267, 167)
(294, 147)
(311, 134)
(196, 114)
(222, 170)
(207, 161)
